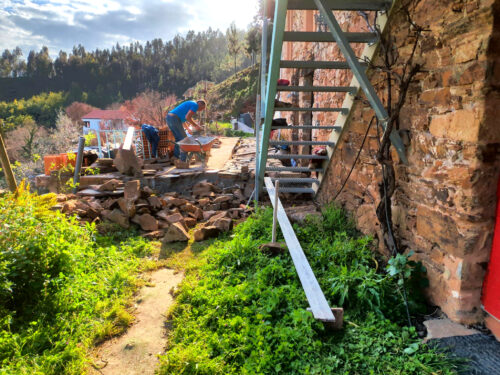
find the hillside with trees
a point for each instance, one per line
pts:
(105, 76)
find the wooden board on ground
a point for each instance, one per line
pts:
(314, 294)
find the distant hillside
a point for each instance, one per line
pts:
(105, 76)
(235, 95)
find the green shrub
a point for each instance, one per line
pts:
(242, 312)
(236, 133)
(63, 287)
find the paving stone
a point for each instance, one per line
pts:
(155, 202)
(148, 222)
(110, 185)
(127, 206)
(224, 224)
(127, 163)
(118, 217)
(440, 328)
(176, 233)
(132, 190)
(205, 233)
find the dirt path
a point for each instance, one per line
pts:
(135, 352)
(219, 156)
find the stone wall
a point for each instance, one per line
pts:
(444, 205)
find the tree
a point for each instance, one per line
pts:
(30, 141)
(253, 40)
(77, 110)
(43, 63)
(150, 107)
(102, 76)
(234, 44)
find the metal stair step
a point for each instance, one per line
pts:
(293, 169)
(344, 111)
(295, 156)
(296, 190)
(301, 143)
(326, 37)
(289, 180)
(341, 4)
(290, 64)
(352, 90)
(308, 127)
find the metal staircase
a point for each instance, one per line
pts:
(298, 183)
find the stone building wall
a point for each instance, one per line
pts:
(444, 205)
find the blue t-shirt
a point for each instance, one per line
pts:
(183, 109)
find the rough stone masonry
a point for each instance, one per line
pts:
(444, 205)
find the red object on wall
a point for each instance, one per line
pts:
(491, 287)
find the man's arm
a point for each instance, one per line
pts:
(189, 120)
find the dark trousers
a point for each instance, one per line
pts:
(175, 125)
(153, 137)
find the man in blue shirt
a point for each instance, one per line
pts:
(184, 114)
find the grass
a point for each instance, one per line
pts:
(225, 129)
(231, 96)
(241, 312)
(63, 287)
(219, 127)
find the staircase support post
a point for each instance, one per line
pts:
(272, 82)
(261, 103)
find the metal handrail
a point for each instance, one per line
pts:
(115, 138)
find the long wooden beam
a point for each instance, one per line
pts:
(7, 168)
(319, 305)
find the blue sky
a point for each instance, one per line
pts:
(61, 24)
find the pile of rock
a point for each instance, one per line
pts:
(209, 208)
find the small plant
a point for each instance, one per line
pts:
(236, 133)
(63, 287)
(241, 312)
(89, 137)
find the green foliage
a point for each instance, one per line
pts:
(62, 286)
(242, 312)
(218, 128)
(43, 109)
(236, 133)
(230, 96)
(409, 274)
(234, 43)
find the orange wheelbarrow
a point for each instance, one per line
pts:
(197, 145)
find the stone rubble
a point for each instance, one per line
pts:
(209, 209)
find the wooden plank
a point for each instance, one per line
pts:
(317, 301)
(6, 166)
(127, 144)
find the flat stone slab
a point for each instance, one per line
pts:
(442, 328)
(97, 193)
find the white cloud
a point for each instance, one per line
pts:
(61, 24)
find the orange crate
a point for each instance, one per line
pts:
(67, 160)
(52, 163)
